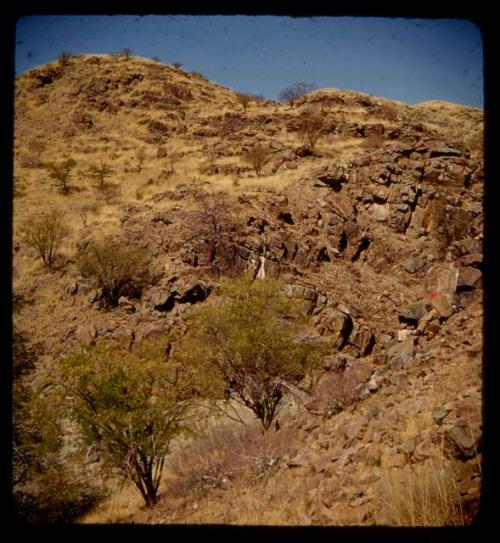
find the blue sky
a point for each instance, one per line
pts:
(411, 60)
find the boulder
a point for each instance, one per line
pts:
(336, 323)
(86, 333)
(461, 442)
(469, 277)
(126, 305)
(441, 284)
(380, 212)
(377, 129)
(341, 205)
(303, 460)
(164, 297)
(147, 330)
(329, 176)
(471, 259)
(161, 152)
(362, 338)
(401, 354)
(412, 313)
(124, 336)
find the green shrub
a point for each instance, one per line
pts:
(245, 344)
(117, 268)
(129, 404)
(45, 234)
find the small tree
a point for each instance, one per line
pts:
(100, 172)
(214, 224)
(295, 91)
(177, 65)
(61, 173)
(36, 147)
(126, 52)
(117, 268)
(311, 128)
(140, 154)
(246, 345)
(244, 100)
(129, 404)
(64, 58)
(45, 234)
(258, 156)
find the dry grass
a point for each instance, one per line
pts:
(224, 454)
(124, 500)
(421, 495)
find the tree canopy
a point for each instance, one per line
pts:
(247, 343)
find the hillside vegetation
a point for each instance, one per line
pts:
(295, 289)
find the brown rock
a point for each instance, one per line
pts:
(336, 323)
(147, 330)
(468, 297)
(469, 277)
(362, 338)
(461, 442)
(126, 305)
(395, 460)
(161, 152)
(123, 336)
(380, 212)
(302, 460)
(86, 333)
(441, 283)
(377, 129)
(401, 354)
(472, 258)
(413, 312)
(342, 206)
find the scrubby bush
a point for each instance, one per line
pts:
(129, 404)
(311, 127)
(177, 65)
(45, 234)
(117, 268)
(244, 99)
(246, 343)
(227, 453)
(61, 173)
(36, 147)
(257, 157)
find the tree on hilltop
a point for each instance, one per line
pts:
(295, 91)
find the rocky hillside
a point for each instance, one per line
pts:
(378, 230)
